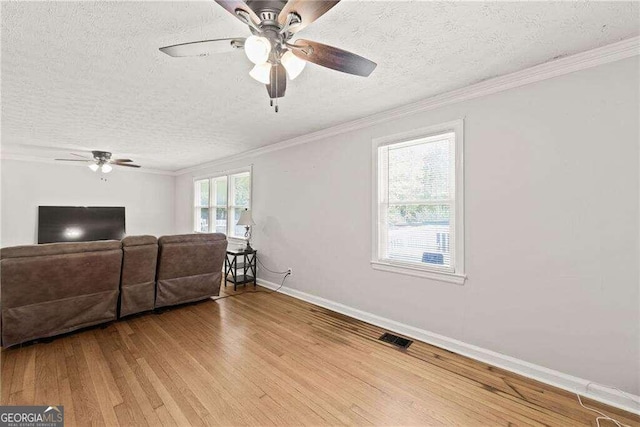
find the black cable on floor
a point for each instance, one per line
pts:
(270, 271)
(286, 274)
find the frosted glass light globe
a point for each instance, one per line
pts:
(257, 49)
(106, 168)
(292, 64)
(262, 73)
(94, 167)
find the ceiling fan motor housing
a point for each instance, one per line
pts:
(101, 156)
(269, 27)
(268, 17)
(267, 6)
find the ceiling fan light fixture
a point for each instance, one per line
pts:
(261, 73)
(292, 64)
(106, 168)
(94, 167)
(257, 49)
(273, 24)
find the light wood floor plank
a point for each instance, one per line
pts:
(260, 358)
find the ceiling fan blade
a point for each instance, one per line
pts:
(73, 160)
(232, 5)
(278, 85)
(121, 160)
(78, 155)
(308, 10)
(204, 48)
(129, 165)
(332, 57)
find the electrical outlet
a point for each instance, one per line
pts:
(290, 270)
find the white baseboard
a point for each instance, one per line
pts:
(609, 396)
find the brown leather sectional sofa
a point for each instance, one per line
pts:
(55, 288)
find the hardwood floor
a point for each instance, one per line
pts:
(262, 359)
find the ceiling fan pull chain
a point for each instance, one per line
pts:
(277, 89)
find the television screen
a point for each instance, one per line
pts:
(79, 224)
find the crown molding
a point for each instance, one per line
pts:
(36, 159)
(558, 67)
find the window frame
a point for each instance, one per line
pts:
(213, 203)
(196, 205)
(231, 197)
(455, 273)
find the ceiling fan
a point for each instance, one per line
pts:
(101, 160)
(272, 24)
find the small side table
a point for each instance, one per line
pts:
(248, 267)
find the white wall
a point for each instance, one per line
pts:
(552, 224)
(148, 198)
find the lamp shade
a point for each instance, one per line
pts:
(245, 218)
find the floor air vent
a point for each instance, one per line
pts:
(395, 340)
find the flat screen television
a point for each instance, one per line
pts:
(79, 223)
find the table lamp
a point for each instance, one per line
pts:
(247, 222)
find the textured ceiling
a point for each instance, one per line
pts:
(88, 75)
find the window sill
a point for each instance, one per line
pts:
(441, 276)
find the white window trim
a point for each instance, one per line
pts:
(458, 274)
(227, 173)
